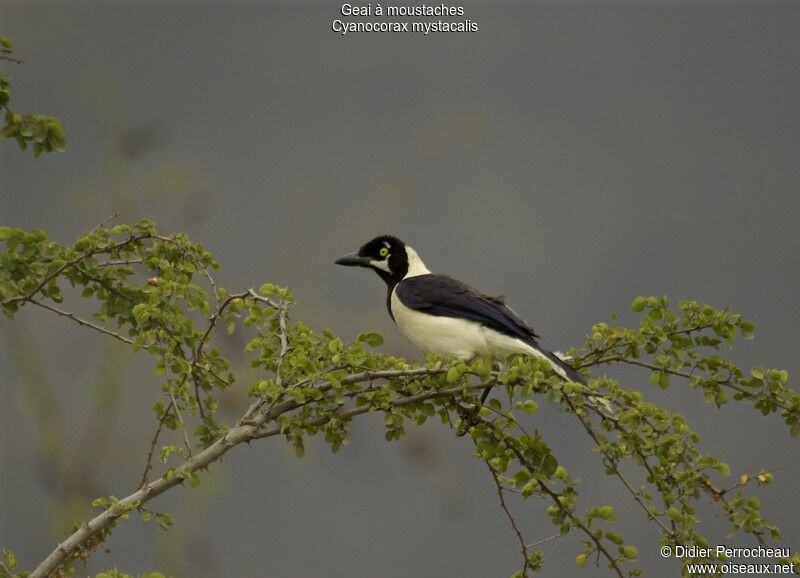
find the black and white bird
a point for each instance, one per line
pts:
(440, 314)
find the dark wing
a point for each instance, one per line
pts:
(446, 297)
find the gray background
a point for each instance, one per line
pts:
(569, 155)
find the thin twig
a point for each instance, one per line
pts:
(120, 263)
(266, 300)
(80, 321)
(49, 277)
(543, 541)
(180, 419)
(149, 463)
(690, 330)
(511, 519)
(284, 337)
(104, 222)
(642, 456)
(599, 547)
(198, 351)
(612, 462)
(751, 478)
(103, 283)
(213, 285)
(200, 409)
(726, 382)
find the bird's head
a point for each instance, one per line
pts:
(388, 256)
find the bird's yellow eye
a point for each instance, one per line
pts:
(383, 252)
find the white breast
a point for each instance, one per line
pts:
(460, 338)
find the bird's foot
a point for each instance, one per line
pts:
(469, 418)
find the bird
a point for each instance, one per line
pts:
(439, 314)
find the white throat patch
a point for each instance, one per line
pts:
(415, 265)
(384, 264)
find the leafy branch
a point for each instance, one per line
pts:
(43, 131)
(156, 293)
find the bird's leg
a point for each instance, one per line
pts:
(485, 394)
(469, 418)
(496, 366)
(469, 415)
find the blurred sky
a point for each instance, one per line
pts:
(570, 155)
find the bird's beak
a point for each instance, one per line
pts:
(353, 260)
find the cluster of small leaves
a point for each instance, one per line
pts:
(685, 344)
(43, 132)
(674, 469)
(155, 308)
(156, 294)
(314, 374)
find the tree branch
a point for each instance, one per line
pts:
(601, 549)
(99, 251)
(612, 462)
(652, 366)
(244, 433)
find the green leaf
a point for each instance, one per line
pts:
(453, 375)
(6, 43)
(549, 465)
(639, 304)
(166, 521)
(629, 552)
(580, 560)
(55, 135)
(606, 513)
(617, 539)
(268, 289)
(10, 558)
(372, 339)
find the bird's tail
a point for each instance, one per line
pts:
(568, 372)
(560, 366)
